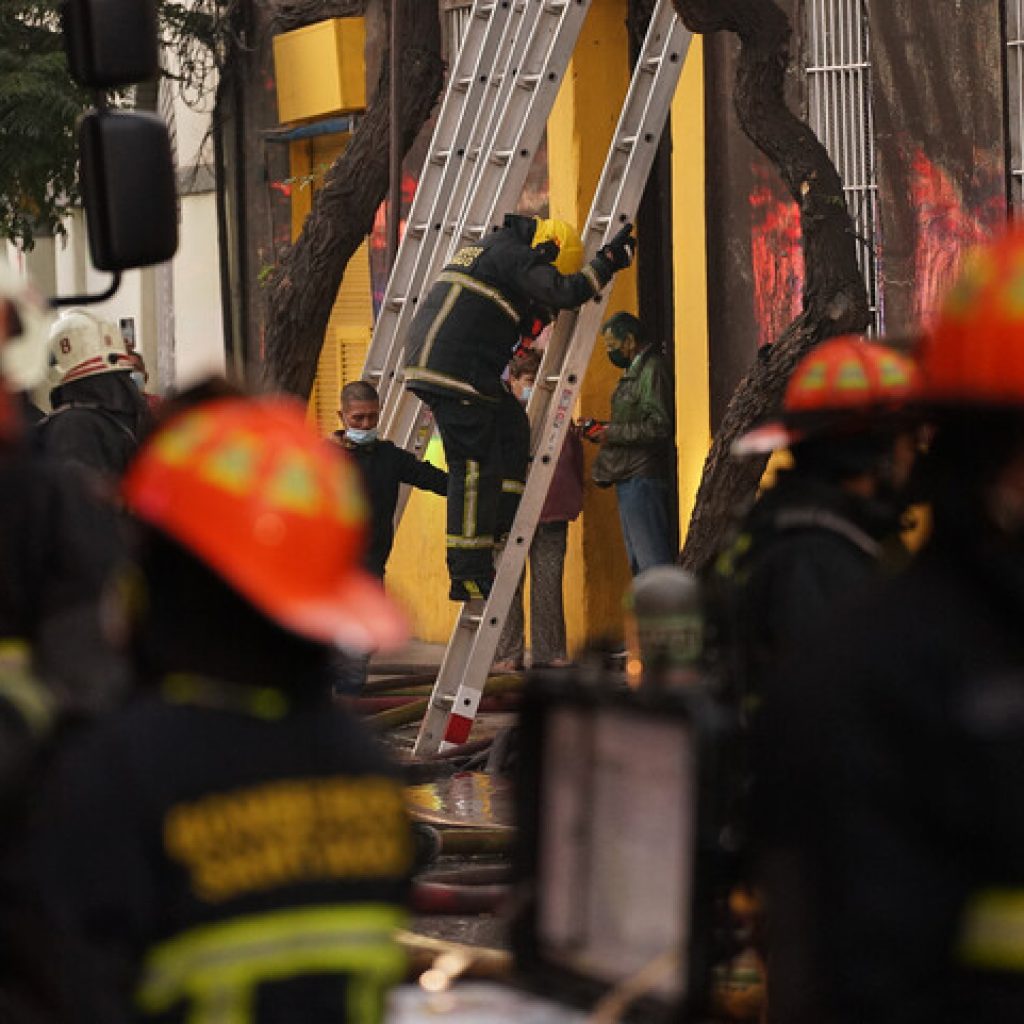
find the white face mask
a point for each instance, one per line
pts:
(525, 392)
(360, 436)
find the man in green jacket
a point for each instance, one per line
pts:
(636, 444)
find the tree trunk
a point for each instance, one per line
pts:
(835, 299)
(305, 283)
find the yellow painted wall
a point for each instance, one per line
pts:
(320, 70)
(689, 259)
(579, 131)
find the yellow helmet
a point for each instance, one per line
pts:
(566, 238)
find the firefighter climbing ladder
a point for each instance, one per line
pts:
(506, 77)
(456, 695)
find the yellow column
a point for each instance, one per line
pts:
(579, 131)
(693, 411)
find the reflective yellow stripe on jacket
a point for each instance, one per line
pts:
(992, 937)
(218, 967)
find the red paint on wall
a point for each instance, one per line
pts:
(947, 225)
(776, 256)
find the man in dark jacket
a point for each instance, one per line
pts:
(99, 417)
(230, 843)
(898, 737)
(460, 342)
(383, 466)
(636, 444)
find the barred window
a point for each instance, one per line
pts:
(1015, 96)
(838, 67)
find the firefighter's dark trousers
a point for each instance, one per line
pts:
(487, 446)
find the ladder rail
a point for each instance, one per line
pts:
(498, 183)
(470, 653)
(466, 92)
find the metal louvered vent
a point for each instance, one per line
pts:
(839, 111)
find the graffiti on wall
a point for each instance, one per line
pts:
(947, 225)
(776, 255)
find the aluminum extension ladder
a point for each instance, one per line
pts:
(456, 695)
(503, 143)
(506, 77)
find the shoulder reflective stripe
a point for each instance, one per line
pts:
(992, 935)
(438, 322)
(470, 498)
(468, 543)
(28, 696)
(471, 284)
(237, 955)
(415, 373)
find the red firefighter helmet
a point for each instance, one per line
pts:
(251, 491)
(840, 382)
(975, 353)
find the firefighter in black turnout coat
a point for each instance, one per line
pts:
(99, 416)
(899, 733)
(461, 340)
(230, 846)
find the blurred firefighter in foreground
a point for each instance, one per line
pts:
(99, 416)
(463, 335)
(58, 552)
(229, 846)
(820, 532)
(898, 737)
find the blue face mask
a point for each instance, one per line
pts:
(139, 379)
(360, 436)
(524, 395)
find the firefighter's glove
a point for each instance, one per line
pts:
(619, 252)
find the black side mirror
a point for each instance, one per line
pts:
(111, 43)
(128, 189)
(127, 170)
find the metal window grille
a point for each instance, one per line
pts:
(1015, 95)
(839, 110)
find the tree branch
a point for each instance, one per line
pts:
(834, 299)
(303, 288)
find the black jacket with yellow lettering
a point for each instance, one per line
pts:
(223, 852)
(482, 303)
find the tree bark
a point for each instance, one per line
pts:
(292, 14)
(834, 300)
(303, 287)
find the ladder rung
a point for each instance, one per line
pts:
(485, 10)
(553, 379)
(375, 374)
(603, 220)
(474, 230)
(500, 157)
(463, 84)
(651, 65)
(626, 143)
(418, 230)
(555, 6)
(441, 157)
(396, 302)
(528, 81)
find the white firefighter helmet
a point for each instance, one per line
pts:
(23, 353)
(83, 345)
